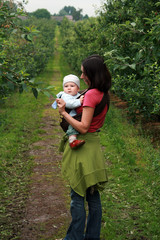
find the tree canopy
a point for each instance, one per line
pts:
(127, 34)
(25, 48)
(42, 13)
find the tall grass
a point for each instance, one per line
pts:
(131, 206)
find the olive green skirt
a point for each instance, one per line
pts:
(85, 167)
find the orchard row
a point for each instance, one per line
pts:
(26, 44)
(127, 34)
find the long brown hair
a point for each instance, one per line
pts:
(97, 72)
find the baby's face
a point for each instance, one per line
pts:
(71, 88)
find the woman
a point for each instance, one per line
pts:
(85, 167)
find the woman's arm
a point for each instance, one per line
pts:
(86, 119)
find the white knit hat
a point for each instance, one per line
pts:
(71, 78)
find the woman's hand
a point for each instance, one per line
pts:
(61, 105)
(86, 119)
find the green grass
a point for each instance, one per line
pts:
(20, 122)
(131, 205)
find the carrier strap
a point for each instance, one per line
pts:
(99, 108)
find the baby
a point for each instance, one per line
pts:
(71, 86)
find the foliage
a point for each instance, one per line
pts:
(42, 46)
(9, 75)
(78, 40)
(21, 47)
(42, 13)
(132, 50)
(127, 34)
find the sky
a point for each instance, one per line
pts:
(54, 6)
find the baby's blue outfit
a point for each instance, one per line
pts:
(71, 102)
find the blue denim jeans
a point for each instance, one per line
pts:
(76, 230)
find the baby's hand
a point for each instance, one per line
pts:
(61, 105)
(81, 98)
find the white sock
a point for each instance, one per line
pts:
(72, 138)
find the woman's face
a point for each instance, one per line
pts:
(84, 77)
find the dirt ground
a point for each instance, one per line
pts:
(47, 208)
(46, 214)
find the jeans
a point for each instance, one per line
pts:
(71, 131)
(76, 230)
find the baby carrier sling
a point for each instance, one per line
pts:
(98, 109)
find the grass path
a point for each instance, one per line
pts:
(30, 159)
(47, 214)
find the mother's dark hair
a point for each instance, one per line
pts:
(97, 72)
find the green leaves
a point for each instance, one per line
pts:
(25, 50)
(127, 34)
(132, 66)
(35, 92)
(132, 48)
(133, 24)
